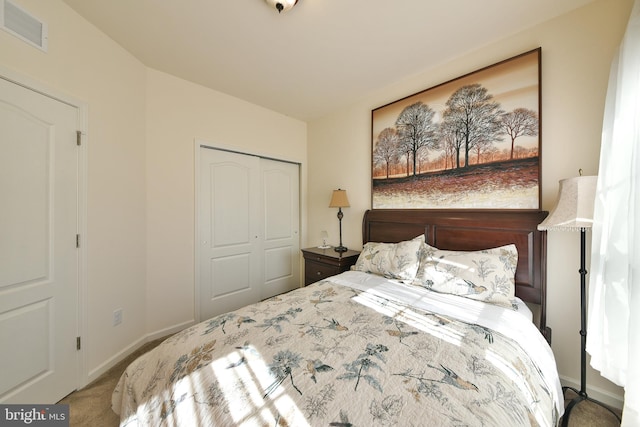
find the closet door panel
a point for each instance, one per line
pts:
(231, 204)
(281, 244)
(229, 228)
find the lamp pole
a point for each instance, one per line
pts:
(582, 393)
(340, 248)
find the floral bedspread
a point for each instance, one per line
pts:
(330, 355)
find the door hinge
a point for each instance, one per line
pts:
(78, 343)
(77, 240)
(78, 137)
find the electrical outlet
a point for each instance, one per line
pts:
(117, 317)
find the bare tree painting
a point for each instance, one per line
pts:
(473, 142)
(416, 130)
(520, 122)
(386, 152)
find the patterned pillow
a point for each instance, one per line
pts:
(391, 260)
(487, 275)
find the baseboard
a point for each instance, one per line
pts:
(122, 354)
(114, 360)
(601, 395)
(169, 331)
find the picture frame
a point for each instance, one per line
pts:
(473, 142)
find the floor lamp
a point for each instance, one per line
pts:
(574, 212)
(339, 200)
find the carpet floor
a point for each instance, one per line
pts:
(589, 414)
(91, 406)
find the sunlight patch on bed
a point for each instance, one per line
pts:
(243, 376)
(287, 407)
(450, 264)
(519, 378)
(241, 401)
(431, 324)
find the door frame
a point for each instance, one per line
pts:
(197, 145)
(82, 375)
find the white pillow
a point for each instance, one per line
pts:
(391, 260)
(487, 275)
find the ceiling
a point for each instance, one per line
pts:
(320, 55)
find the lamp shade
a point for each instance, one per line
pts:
(339, 199)
(574, 210)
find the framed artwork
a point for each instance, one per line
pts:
(470, 143)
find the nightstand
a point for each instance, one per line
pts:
(322, 263)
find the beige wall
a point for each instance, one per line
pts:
(82, 63)
(177, 113)
(141, 126)
(577, 50)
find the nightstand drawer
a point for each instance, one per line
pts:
(322, 263)
(315, 271)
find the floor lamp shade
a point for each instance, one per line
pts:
(574, 210)
(339, 200)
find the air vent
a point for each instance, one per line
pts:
(23, 25)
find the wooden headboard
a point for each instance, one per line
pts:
(469, 230)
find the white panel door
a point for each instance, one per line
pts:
(281, 218)
(38, 255)
(229, 233)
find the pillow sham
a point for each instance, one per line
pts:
(391, 260)
(487, 275)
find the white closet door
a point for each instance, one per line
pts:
(280, 214)
(229, 222)
(248, 229)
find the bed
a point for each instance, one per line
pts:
(405, 338)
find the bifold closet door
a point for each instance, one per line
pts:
(281, 218)
(229, 231)
(248, 218)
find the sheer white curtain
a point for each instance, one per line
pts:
(613, 332)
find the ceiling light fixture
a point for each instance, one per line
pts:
(282, 5)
